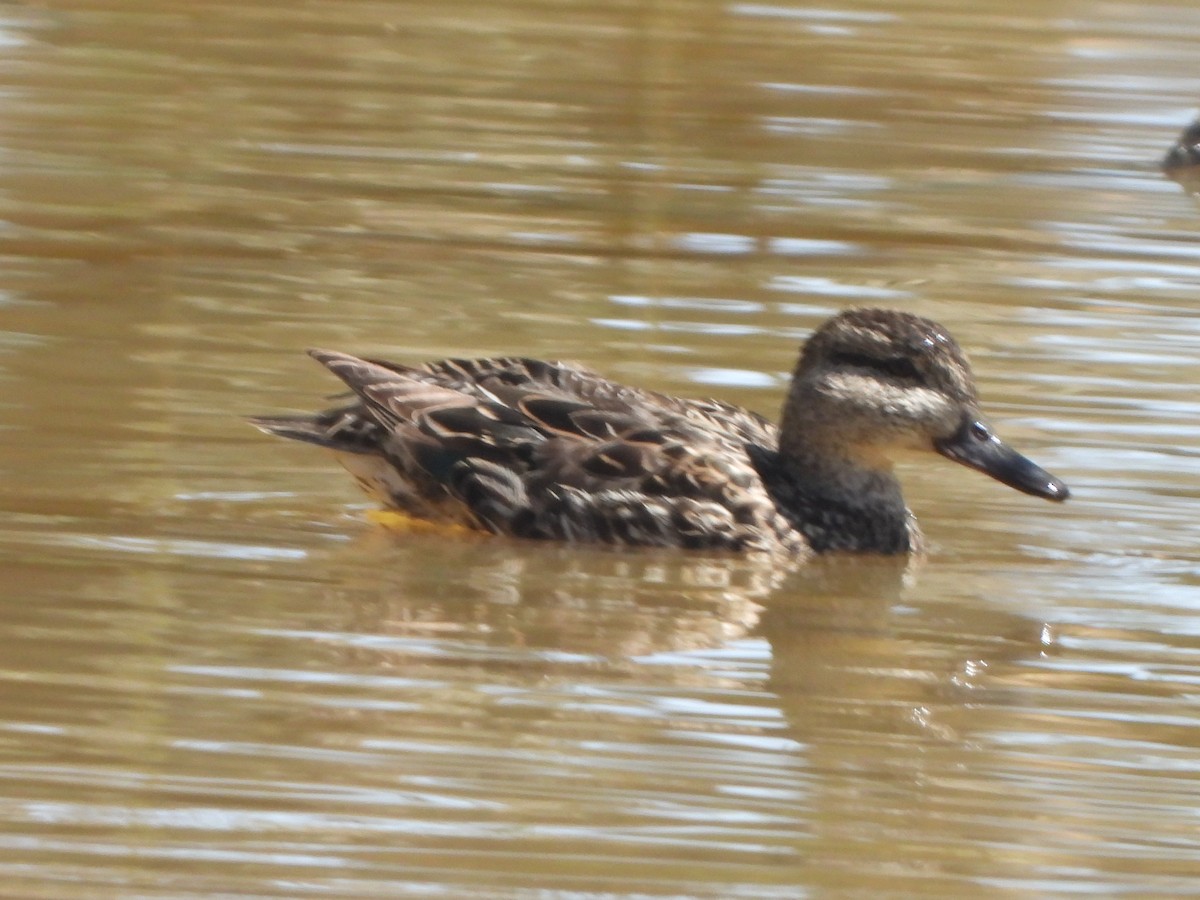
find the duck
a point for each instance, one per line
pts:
(1184, 154)
(554, 451)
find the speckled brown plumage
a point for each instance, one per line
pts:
(552, 451)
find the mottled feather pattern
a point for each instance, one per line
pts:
(551, 450)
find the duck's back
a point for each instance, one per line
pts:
(550, 450)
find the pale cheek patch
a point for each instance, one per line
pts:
(891, 406)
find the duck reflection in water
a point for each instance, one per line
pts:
(549, 450)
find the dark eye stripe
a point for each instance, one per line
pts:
(895, 366)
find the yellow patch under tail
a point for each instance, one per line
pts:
(403, 523)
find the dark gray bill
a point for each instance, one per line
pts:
(974, 445)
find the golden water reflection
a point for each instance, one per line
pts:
(221, 678)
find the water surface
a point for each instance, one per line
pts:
(221, 678)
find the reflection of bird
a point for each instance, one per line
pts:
(549, 450)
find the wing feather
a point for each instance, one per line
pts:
(549, 449)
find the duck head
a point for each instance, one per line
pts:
(872, 381)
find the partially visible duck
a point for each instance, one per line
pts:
(1185, 152)
(550, 450)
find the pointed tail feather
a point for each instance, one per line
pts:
(298, 428)
(337, 429)
(391, 395)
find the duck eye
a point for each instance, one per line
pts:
(980, 432)
(893, 366)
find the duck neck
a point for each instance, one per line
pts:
(841, 501)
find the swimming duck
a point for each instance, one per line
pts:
(1185, 152)
(551, 450)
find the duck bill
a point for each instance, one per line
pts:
(975, 445)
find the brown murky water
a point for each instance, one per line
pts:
(219, 678)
